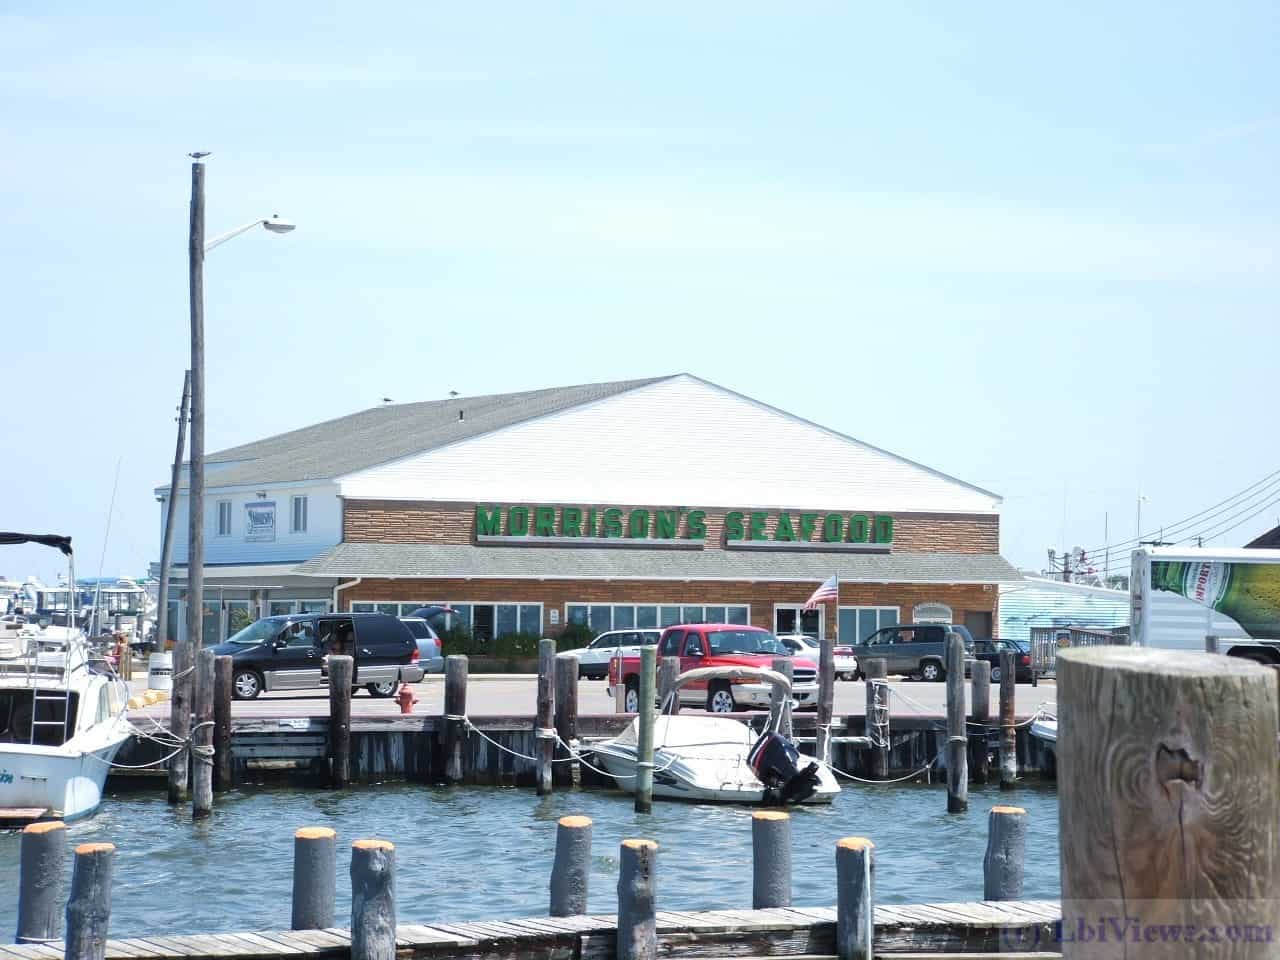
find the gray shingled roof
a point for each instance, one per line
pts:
(385, 433)
(348, 560)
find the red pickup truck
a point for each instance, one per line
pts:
(719, 645)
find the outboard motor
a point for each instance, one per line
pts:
(776, 763)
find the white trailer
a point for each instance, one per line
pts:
(1180, 595)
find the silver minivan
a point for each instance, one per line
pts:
(593, 659)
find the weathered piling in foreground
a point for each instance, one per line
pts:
(545, 720)
(455, 712)
(1169, 796)
(957, 739)
(779, 699)
(826, 697)
(637, 912)
(568, 770)
(668, 670)
(202, 737)
(42, 872)
(314, 878)
(876, 721)
(855, 898)
(980, 712)
(1005, 859)
(223, 769)
(770, 859)
(341, 673)
(644, 746)
(1008, 722)
(89, 905)
(572, 867)
(373, 900)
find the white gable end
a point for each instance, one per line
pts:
(680, 441)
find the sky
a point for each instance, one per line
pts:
(1033, 247)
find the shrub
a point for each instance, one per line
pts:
(515, 645)
(575, 637)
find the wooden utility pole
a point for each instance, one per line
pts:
(1169, 799)
(171, 510)
(180, 718)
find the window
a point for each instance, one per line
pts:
(224, 518)
(671, 643)
(858, 623)
(625, 616)
(298, 515)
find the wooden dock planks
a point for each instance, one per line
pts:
(968, 930)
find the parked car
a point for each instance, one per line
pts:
(990, 650)
(718, 645)
(807, 646)
(916, 650)
(289, 652)
(430, 646)
(593, 659)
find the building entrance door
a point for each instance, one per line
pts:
(792, 619)
(979, 623)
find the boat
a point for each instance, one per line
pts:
(716, 759)
(62, 720)
(1045, 727)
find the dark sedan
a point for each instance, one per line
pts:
(990, 650)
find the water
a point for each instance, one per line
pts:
(475, 852)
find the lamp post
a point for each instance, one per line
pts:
(185, 658)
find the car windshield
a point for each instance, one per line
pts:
(744, 641)
(257, 632)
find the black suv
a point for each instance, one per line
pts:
(913, 649)
(288, 653)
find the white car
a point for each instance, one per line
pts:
(593, 659)
(805, 645)
(430, 646)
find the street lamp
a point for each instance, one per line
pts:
(180, 718)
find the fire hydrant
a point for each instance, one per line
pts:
(406, 698)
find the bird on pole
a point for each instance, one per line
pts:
(199, 155)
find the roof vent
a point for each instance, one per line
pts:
(460, 416)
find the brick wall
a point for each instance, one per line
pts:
(760, 596)
(383, 521)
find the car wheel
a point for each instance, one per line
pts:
(632, 701)
(246, 684)
(720, 699)
(995, 674)
(387, 688)
(932, 672)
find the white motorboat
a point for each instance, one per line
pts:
(1045, 727)
(62, 720)
(719, 759)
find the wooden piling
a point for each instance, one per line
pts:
(224, 776)
(89, 905)
(644, 746)
(1005, 859)
(545, 719)
(779, 699)
(770, 859)
(1210, 643)
(855, 898)
(373, 900)
(1169, 796)
(637, 916)
(619, 688)
(202, 737)
(42, 873)
(572, 867)
(957, 739)
(877, 669)
(980, 713)
(1008, 723)
(826, 697)
(568, 770)
(667, 674)
(455, 712)
(341, 673)
(314, 878)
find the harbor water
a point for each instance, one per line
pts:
(468, 853)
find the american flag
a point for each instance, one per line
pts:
(829, 590)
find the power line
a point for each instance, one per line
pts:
(1228, 529)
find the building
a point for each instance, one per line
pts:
(1037, 602)
(637, 503)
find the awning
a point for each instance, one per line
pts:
(465, 561)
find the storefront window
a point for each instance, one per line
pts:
(739, 615)
(313, 606)
(393, 609)
(691, 615)
(646, 617)
(531, 618)
(210, 622)
(281, 608)
(238, 616)
(505, 619)
(716, 615)
(601, 619)
(858, 623)
(669, 616)
(624, 618)
(576, 613)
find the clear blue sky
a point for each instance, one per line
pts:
(1036, 249)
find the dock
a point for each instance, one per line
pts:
(1001, 929)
